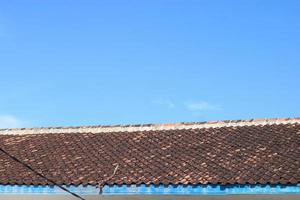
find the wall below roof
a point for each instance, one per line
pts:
(204, 189)
(153, 197)
(154, 189)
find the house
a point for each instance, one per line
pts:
(220, 160)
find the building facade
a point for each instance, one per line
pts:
(242, 159)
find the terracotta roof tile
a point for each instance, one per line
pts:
(254, 151)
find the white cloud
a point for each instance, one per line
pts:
(165, 102)
(201, 106)
(10, 121)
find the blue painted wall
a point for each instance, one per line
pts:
(203, 189)
(153, 189)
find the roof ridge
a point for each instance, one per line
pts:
(149, 127)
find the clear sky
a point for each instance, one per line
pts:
(84, 62)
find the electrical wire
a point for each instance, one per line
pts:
(41, 175)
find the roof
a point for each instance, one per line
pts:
(220, 152)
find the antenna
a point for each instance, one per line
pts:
(102, 183)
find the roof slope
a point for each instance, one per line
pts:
(227, 152)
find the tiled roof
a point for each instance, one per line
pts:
(221, 152)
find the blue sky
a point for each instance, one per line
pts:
(85, 62)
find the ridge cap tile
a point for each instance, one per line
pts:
(149, 127)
